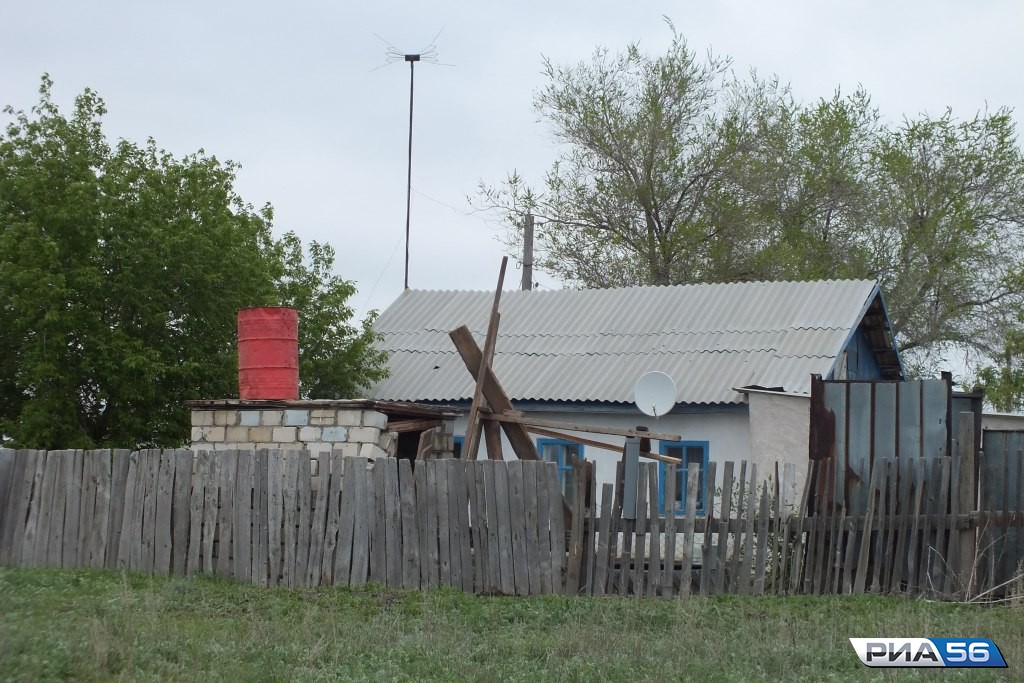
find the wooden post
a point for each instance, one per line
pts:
(472, 422)
(965, 500)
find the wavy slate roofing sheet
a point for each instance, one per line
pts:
(592, 345)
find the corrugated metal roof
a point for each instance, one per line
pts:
(592, 345)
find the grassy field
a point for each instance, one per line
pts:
(100, 625)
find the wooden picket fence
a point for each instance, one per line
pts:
(282, 518)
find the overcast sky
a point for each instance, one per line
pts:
(288, 90)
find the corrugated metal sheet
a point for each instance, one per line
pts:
(592, 345)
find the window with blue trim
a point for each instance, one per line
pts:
(561, 452)
(457, 446)
(689, 452)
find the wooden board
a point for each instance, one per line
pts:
(378, 522)
(426, 520)
(71, 552)
(392, 523)
(44, 502)
(442, 501)
(162, 523)
(517, 521)
(557, 521)
(357, 469)
(294, 460)
(692, 482)
(548, 580)
(462, 474)
(478, 518)
(318, 523)
(260, 529)
(6, 493)
(243, 509)
(410, 527)
(115, 521)
(430, 557)
(600, 584)
(17, 508)
(303, 515)
(336, 567)
(668, 579)
(761, 553)
(707, 557)
(493, 581)
(504, 528)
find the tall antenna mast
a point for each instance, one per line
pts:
(427, 54)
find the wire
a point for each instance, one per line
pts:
(373, 289)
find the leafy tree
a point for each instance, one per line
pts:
(122, 268)
(673, 172)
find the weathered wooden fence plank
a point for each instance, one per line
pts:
(517, 521)
(121, 459)
(341, 529)
(556, 518)
(303, 516)
(334, 569)
(504, 528)
(162, 522)
(7, 489)
(655, 566)
(44, 503)
(426, 520)
(640, 538)
(465, 479)
(489, 508)
(275, 514)
(17, 507)
(668, 579)
(260, 519)
(243, 509)
(692, 481)
(55, 544)
(410, 526)
(71, 549)
(361, 481)
(764, 518)
(533, 552)
(447, 522)
(865, 546)
(152, 494)
(600, 586)
(392, 522)
(378, 522)
(477, 521)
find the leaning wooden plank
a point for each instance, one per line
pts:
(737, 549)
(760, 558)
(472, 422)
(668, 579)
(692, 481)
(822, 529)
(654, 564)
(342, 530)
(601, 445)
(289, 498)
(242, 535)
(603, 532)
(378, 523)
(17, 508)
(903, 500)
(496, 397)
(931, 504)
(118, 484)
(892, 561)
(410, 527)
(556, 520)
(362, 518)
(865, 546)
(797, 557)
(513, 417)
(504, 529)
(517, 521)
(709, 518)
(392, 522)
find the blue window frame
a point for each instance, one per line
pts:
(561, 452)
(457, 446)
(688, 452)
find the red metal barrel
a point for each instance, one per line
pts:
(268, 353)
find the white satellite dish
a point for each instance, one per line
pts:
(655, 393)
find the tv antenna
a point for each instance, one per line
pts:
(393, 54)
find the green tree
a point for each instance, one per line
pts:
(121, 271)
(671, 172)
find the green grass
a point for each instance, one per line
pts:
(99, 625)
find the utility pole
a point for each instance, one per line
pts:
(527, 283)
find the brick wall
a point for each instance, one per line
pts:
(319, 427)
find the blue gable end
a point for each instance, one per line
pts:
(861, 362)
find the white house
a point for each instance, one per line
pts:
(741, 356)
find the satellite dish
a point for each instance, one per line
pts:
(655, 393)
